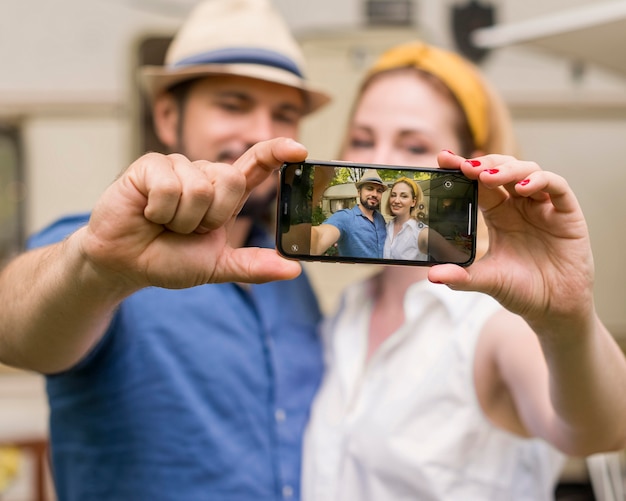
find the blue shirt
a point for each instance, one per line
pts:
(360, 237)
(193, 394)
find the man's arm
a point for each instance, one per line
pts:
(162, 223)
(55, 307)
(322, 237)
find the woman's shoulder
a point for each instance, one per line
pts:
(416, 225)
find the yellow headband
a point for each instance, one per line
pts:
(455, 73)
(416, 191)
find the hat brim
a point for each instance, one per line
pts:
(156, 79)
(371, 181)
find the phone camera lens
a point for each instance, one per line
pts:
(448, 184)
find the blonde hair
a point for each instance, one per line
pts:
(481, 108)
(418, 194)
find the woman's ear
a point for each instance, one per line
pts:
(166, 116)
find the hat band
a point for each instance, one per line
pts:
(245, 55)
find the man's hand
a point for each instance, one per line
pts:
(164, 221)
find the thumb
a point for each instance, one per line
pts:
(457, 277)
(255, 265)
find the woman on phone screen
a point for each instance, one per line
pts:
(407, 238)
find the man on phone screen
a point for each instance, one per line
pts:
(359, 231)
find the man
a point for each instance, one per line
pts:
(161, 386)
(360, 231)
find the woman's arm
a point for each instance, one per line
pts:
(539, 265)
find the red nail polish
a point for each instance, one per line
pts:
(473, 163)
(524, 182)
(451, 152)
(492, 171)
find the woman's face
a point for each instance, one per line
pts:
(401, 200)
(402, 120)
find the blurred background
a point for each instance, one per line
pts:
(71, 118)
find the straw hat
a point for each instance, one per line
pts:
(370, 176)
(233, 37)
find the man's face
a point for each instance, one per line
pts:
(226, 115)
(371, 194)
(223, 116)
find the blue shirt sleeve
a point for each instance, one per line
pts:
(57, 231)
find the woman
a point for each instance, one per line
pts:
(410, 239)
(406, 237)
(431, 393)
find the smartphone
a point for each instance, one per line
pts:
(353, 213)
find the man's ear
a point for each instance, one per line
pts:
(166, 116)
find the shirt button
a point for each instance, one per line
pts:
(280, 415)
(287, 491)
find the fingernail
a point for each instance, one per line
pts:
(492, 171)
(524, 182)
(473, 163)
(451, 152)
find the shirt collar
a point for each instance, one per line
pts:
(455, 302)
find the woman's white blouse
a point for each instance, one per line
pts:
(408, 425)
(403, 245)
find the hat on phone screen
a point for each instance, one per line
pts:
(246, 38)
(370, 176)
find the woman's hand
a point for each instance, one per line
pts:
(539, 263)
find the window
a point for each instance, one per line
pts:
(12, 193)
(151, 52)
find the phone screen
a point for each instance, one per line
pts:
(362, 213)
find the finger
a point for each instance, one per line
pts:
(449, 160)
(258, 163)
(488, 197)
(227, 187)
(478, 277)
(498, 176)
(448, 274)
(255, 265)
(153, 175)
(542, 183)
(196, 195)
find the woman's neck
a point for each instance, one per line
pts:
(390, 287)
(401, 219)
